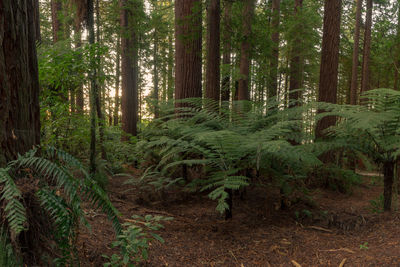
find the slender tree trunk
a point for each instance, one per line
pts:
(227, 50)
(273, 85)
(356, 47)
(213, 50)
(56, 9)
(388, 173)
(170, 70)
(329, 66)
(188, 42)
(19, 85)
(397, 60)
(296, 64)
(129, 64)
(93, 88)
(98, 98)
(36, 19)
(365, 81)
(155, 75)
(117, 77)
(79, 89)
(243, 90)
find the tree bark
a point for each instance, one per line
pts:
(356, 47)
(188, 43)
(155, 75)
(296, 64)
(227, 50)
(213, 50)
(243, 90)
(388, 178)
(170, 70)
(19, 85)
(329, 64)
(93, 87)
(36, 19)
(117, 80)
(129, 67)
(56, 9)
(365, 82)
(79, 89)
(273, 85)
(397, 61)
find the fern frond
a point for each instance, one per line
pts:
(15, 210)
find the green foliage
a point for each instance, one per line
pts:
(223, 145)
(373, 128)
(60, 191)
(377, 204)
(7, 255)
(134, 240)
(364, 246)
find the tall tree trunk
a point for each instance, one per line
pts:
(93, 87)
(329, 65)
(56, 9)
(188, 41)
(365, 81)
(129, 66)
(388, 174)
(170, 70)
(273, 85)
(213, 50)
(36, 19)
(19, 85)
(98, 98)
(243, 90)
(296, 64)
(79, 89)
(227, 50)
(117, 77)
(155, 75)
(397, 60)
(356, 47)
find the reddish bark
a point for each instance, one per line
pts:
(296, 64)
(273, 86)
(19, 85)
(356, 47)
(365, 82)
(243, 90)
(129, 69)
(329, 62)
(213, 50)
(188, 40)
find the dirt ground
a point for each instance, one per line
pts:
(341, 231)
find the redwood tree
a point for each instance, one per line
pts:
(129, 69)
(296, 64)
(243, 89)
(188, 39)
(19, 85)
(56, 9)
(213, 50)
(365, 86)
(227, 49)
(356, 47)
(273, 85)
(328, 80)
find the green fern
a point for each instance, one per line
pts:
(60, 193)
(15, 210)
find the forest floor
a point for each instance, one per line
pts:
(341, 231)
